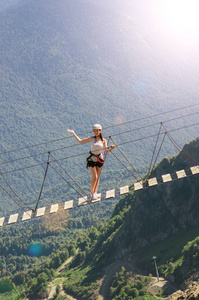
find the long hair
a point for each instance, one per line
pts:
(100, 135)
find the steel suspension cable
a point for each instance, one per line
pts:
(14, 192)
(66, 180)
(10, 283)
(12, 198)
(68, 175)
(157, 154)
(47, 164)
(152, 116)
(107, 146)
(116, 125)
(74, 145)
(124, 166)
(126, 159)
(154, 135)
(159, 150)
(132, 141)
(173, 142)
(158, 135)
(154, 124)
(186, 156)
(180, 148)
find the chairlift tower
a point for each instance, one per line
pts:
(156, 268)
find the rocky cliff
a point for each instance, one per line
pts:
(191, 293)
(162, 210)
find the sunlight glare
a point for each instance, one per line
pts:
(180, 16)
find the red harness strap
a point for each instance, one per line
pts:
(99, 159)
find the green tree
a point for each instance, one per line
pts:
(58, 289)
(134, 292)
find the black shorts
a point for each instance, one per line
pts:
(93, 164)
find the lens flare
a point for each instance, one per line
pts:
(35, 249)
(118, 120)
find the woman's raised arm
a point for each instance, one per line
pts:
(81, 141)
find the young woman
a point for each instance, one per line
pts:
(96, 159)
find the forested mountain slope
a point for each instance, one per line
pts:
(74, 63)
(160, 220)
(160, 211)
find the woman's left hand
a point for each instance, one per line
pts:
(112, 147)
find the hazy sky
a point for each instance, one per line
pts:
(174, 20)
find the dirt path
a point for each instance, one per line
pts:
(62, 267)
(52, 292)
(59, 281)
(110, 271)
(52, 289)
(156, 285)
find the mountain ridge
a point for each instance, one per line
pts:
(178, 197)
(71, 64)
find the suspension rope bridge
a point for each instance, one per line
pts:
(71, 204)
(84, 198)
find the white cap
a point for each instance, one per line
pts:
(97, 126)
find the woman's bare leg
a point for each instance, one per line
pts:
(94, 179)
(98, 171)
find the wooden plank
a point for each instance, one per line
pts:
(110, 194)
(82, 201)
(27, 215)
(181, 174)
(152, 181)
(68, 204)
(124, 190)
(195, 170)
(138, 185)
(2, 221)
(166, 178)
(13, 218)
(41, 211)
(54, 208)
(96, 200)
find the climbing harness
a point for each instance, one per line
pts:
(95, 158)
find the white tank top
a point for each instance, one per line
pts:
(96, 147)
